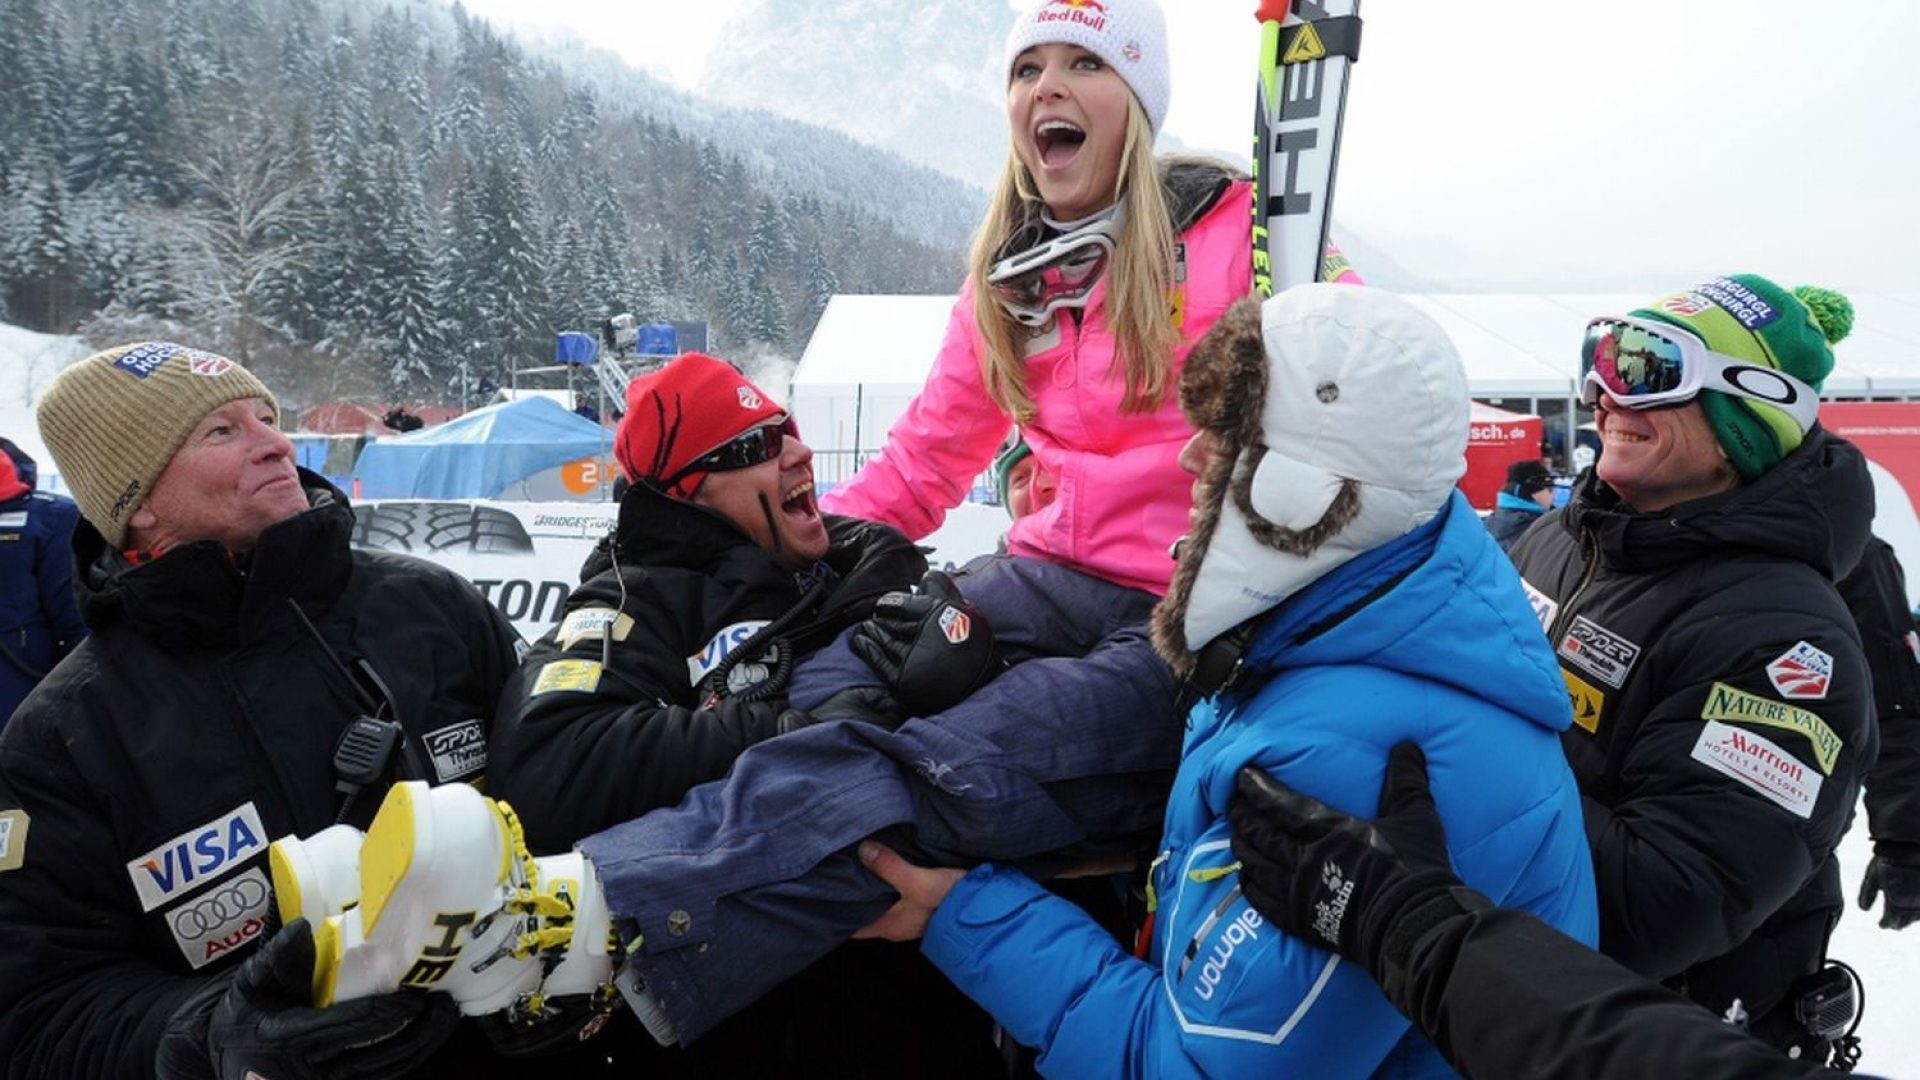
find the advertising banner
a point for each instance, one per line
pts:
(525, 557)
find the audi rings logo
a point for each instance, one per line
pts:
(220, 907)
(1763, 382)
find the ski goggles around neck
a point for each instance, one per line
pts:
(752, 447)
(1650, 365)
(1058, 273)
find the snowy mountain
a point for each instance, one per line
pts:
(917, 79)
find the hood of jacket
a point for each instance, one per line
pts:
(1338, 420)
(23, 464)
(1442, 604)
(1815, 507)
(11, 485)
(197, 594)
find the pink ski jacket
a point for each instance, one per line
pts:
(1123, 498)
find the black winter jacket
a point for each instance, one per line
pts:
(144, 778)
(1876, 593)
(1722, 715)
(581, 746)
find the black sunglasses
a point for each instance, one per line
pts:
(745, 450)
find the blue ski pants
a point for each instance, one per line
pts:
(1065, 756)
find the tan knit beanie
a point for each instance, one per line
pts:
(114, 420)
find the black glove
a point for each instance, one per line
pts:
(874, 705)
(1897, 873)
(932, 646)
(1333, 879)
(265, 1024)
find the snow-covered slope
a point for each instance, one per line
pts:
(28, 361)
(917, 79)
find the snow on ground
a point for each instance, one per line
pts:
(28, 361)
(1888, 961)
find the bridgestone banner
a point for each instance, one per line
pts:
(525, 558)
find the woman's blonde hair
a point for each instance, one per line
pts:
(1139, 280)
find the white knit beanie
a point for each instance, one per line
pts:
(1130, 35)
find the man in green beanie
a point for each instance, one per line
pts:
(1722, 705)
(1024, 485)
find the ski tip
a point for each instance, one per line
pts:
(1271, 10)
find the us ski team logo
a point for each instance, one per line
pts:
(955, 624)
(206, 364)
(1801, 672)
(749, 399)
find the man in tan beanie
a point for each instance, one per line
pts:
(237, 641)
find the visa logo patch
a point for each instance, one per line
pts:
(197, 856)
(716, 650)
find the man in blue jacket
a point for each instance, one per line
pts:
(1337, 596)
(39, 622)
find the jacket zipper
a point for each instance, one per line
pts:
(1592, 547)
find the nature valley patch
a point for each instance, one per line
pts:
(1727, 703)
(13, 839)
(589, 624)
(574, 676)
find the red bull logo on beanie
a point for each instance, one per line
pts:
(197, 855)
(1089, 13)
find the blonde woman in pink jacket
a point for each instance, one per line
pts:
(1095, 271)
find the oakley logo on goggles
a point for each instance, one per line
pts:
(743, 451)
(1060, 273)
(1650, 365)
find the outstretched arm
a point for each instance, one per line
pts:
(1499, 992)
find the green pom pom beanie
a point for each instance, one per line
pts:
(1750, 318)
(1012, 452)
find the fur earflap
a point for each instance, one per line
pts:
(1225, 380)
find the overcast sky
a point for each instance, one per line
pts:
(1522, 139)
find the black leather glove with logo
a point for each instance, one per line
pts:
(932, 645)
(1359, 888)
(263, 1024)
(1894, 870)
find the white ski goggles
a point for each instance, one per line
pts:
(1060, 273)
(1653, 365)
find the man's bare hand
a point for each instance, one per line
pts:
(921, 890)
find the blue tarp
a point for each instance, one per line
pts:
(477, 455)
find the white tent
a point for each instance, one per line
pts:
(867, 358)
(870, 354)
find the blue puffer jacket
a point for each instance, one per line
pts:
(1428, 638)
(39, 621)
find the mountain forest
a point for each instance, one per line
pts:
(398, 202)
